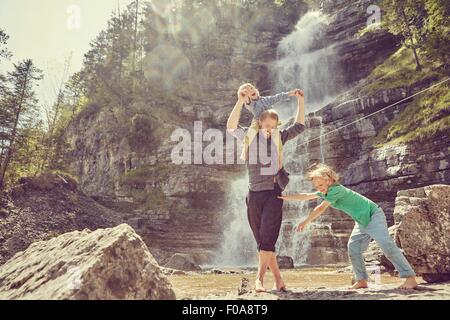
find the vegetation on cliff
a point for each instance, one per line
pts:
(421, 62)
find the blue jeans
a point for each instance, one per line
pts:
(377, 229)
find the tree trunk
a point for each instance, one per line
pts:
(411, 39)
(135, 45)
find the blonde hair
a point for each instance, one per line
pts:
(272, 114)
(247, 84)
(323, 171)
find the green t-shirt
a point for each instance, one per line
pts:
(352, 203)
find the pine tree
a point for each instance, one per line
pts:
(20, 108)
(406, 18)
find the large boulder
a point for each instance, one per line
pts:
(422, 217)
(104, 264)
(422, 230)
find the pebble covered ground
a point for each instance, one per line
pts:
(302, 284)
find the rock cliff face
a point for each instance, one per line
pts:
(358, 53)
(180, 209)
(106, 264)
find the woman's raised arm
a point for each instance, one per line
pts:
(300, 117)
(233, 119)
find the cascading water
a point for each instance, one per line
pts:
(292, 243)
(297, 159)
(298, 65)
(239, 248)
(322, 140)
(301, 64)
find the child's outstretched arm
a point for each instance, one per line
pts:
(300, 196)
(313, 215)
(265, 103)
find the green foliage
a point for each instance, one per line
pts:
(88, 110)
(141, 133)
(156, 199)
(49, 179)
(399, 71)
(406, 18)
(437, 42)
(425, 117)
(18, 118)
(137, 178)
(424, 25)
(26, 159)
(60, 152)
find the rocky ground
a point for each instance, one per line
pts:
(320, 283)
(44, 207)
(381, 292)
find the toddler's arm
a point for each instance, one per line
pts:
(265, 103)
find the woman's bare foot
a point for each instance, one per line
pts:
(409, 284)
(360, 284)
(259, 287)
(279, 286)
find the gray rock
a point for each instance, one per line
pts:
(244, 287)
(422, 230)
(422, 218)
(217, 271)
(3, 213)
(285, 262)
(181, 261)
(100, 265)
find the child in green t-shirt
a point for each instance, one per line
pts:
(370, 224)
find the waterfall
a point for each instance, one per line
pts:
(239, 246)
(301, 63)
(322, 140)
(290, 242)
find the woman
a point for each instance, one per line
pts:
(267, 177)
